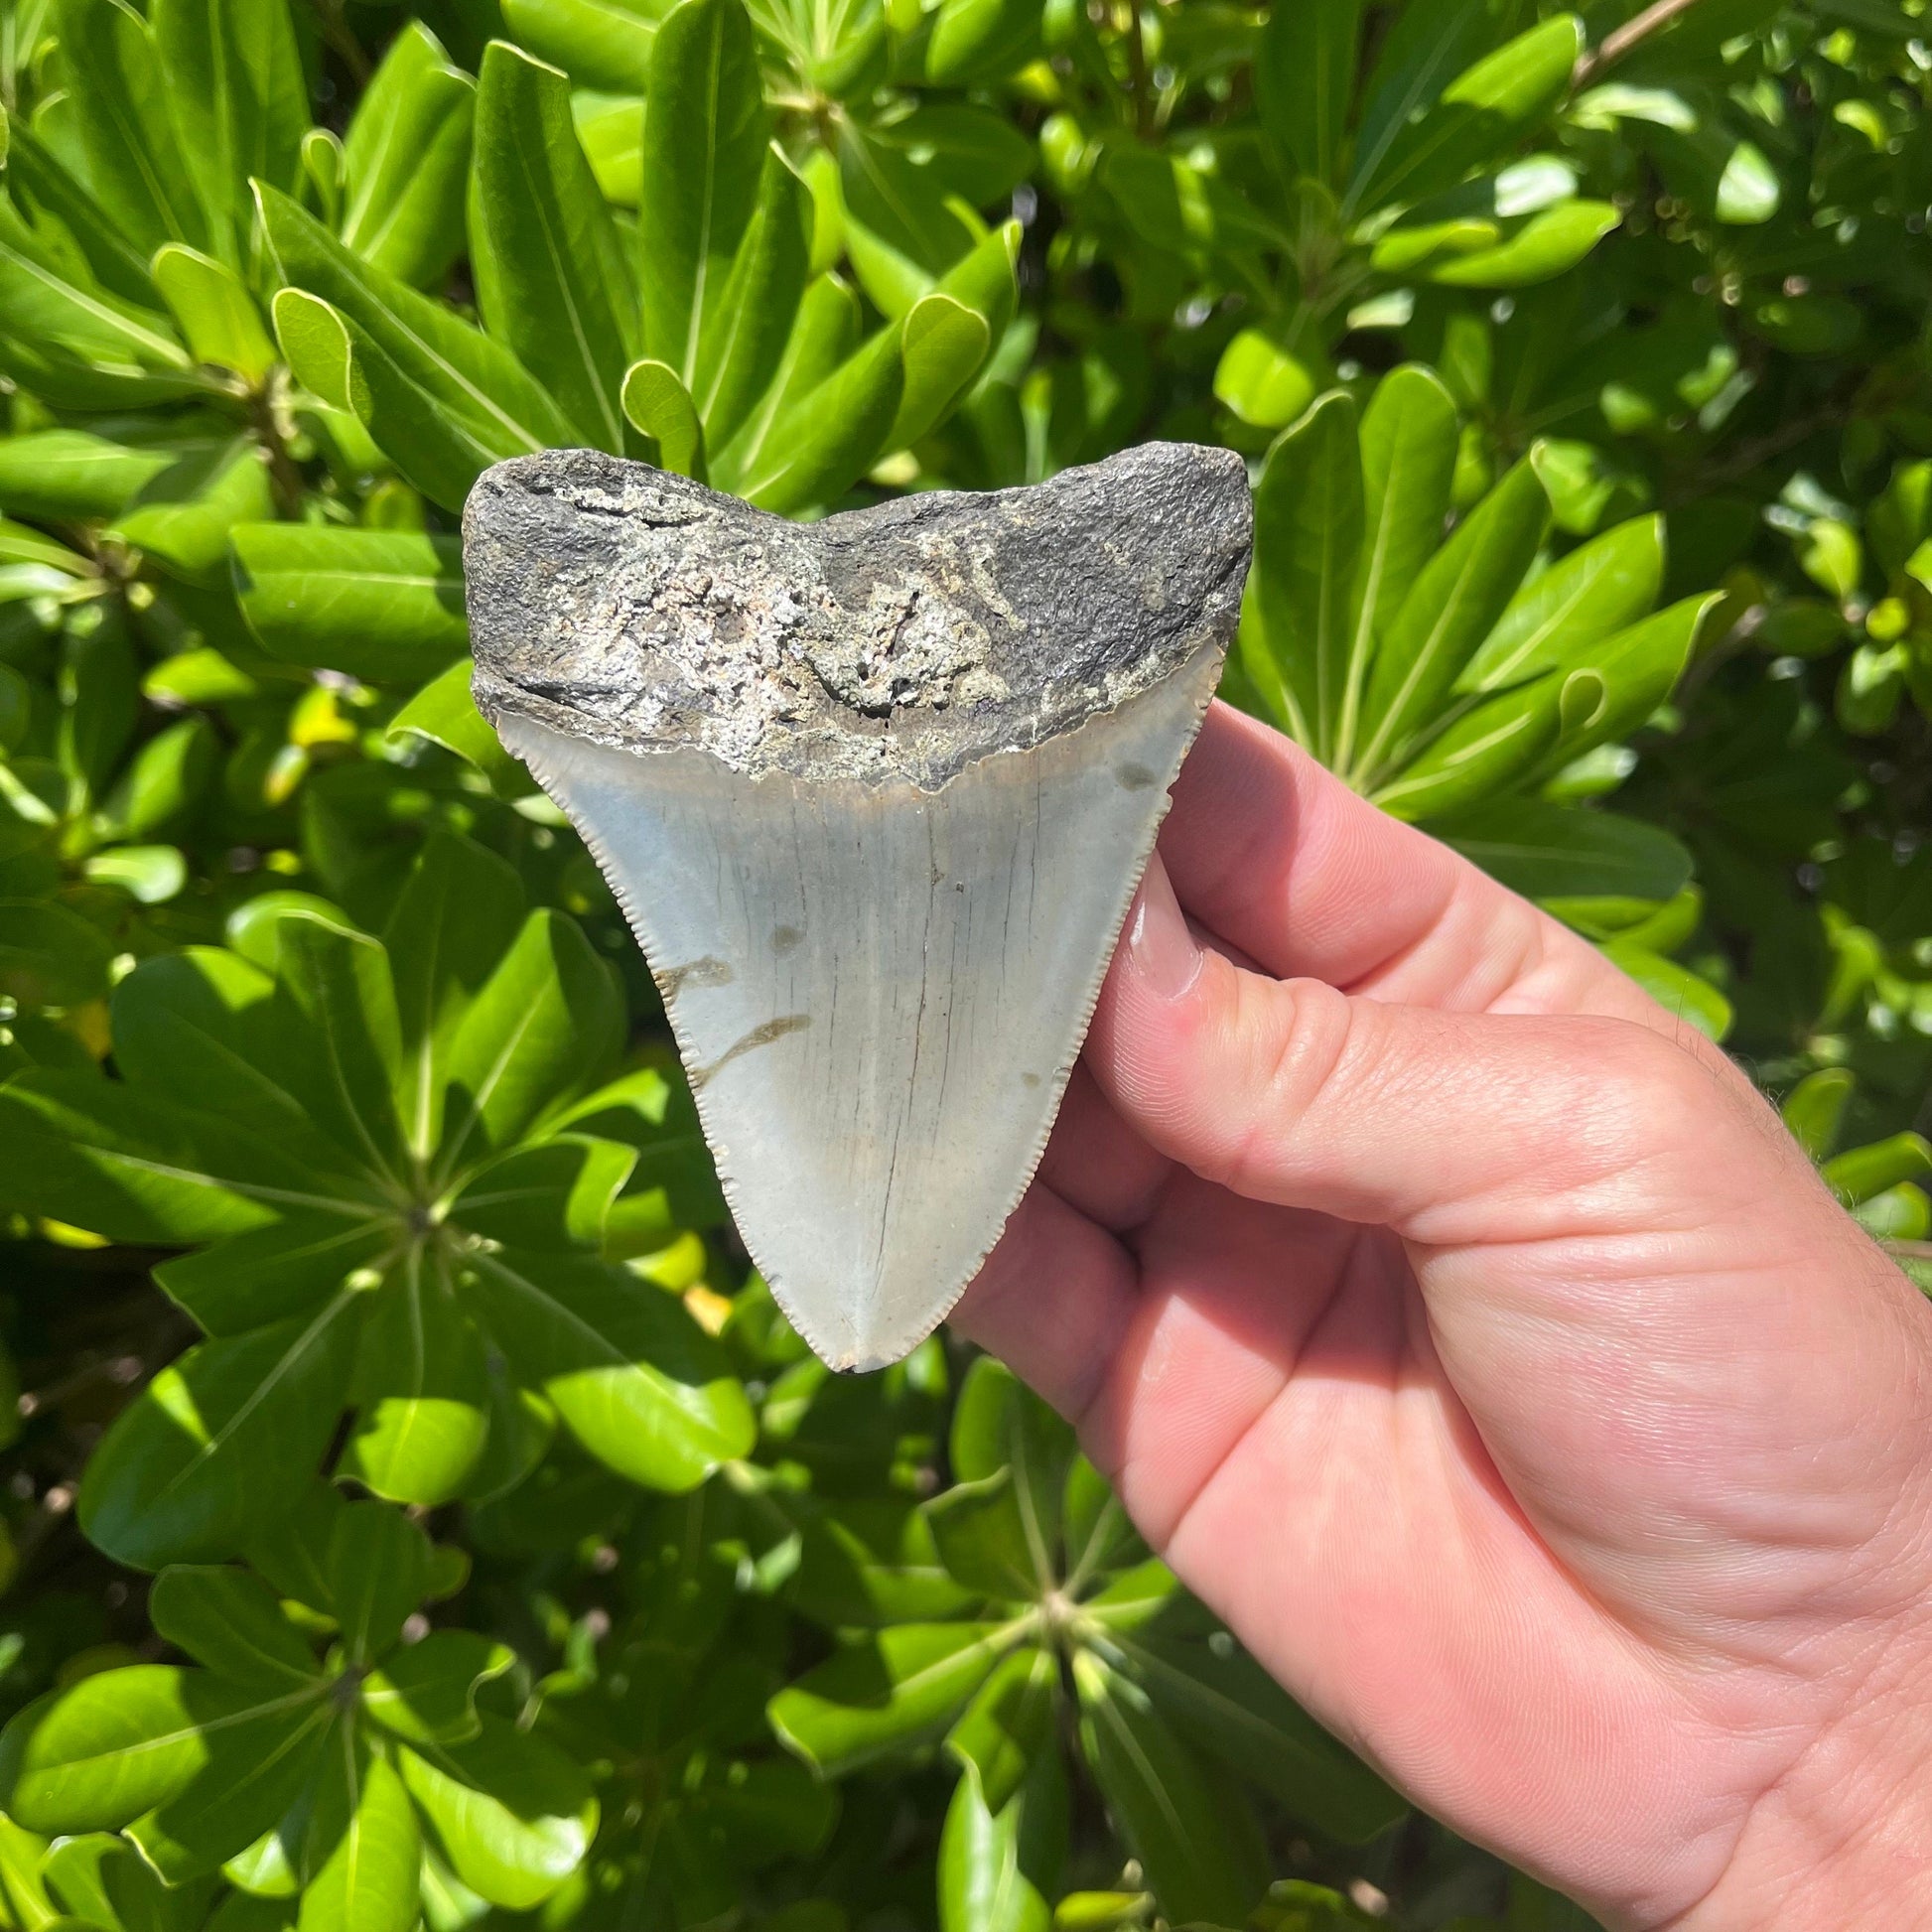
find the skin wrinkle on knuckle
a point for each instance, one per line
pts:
(1302, 1034)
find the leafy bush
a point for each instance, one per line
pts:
(417, 1512)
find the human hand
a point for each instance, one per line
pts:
(1468, 1333)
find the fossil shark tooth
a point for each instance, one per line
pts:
(874, 793)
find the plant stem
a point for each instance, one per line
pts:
(1614, 45)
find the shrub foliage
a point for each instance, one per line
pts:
(417, 1512)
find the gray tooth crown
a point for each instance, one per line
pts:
(875, 795)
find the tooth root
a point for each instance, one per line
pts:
(879, 992)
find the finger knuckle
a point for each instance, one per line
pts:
(1295, 1045)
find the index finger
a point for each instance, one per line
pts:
(1278, 857)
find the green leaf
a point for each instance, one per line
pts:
(215, 311)
(427, 1691)
(998, 1868)
(1455, 600)
(112, 1747)
(229, 1620)
(55, 475)
(363, 1853)
(339, 981)
(103, 1881)
(1230, 1707)
(220, 1440)
(510, 1813)
(434, 447)
(239, 100)
(1545, 851)
(1541, 246)
(1000, 1425)
(190, 537)
(1304, 78)
(1674, 988)
(1479, 116)
(1552, 622)
(477, 382)
(381, 605)
(982, 1537)
(891, 1691)
(99, 1156)
(151, 874)
(638, 1383)
(973, 42)
(406, 161)
(255, 1769)
(821, 444)
(1308, 537)
(455, 917)
(867, 1564)
(555, 1194)
(547, 1020)
(378, 1570)
(1641, 666)
(445, 713)
(272, 1274)
(947, 334)
(597, 42)
(421, 1389)
(705, 133)
(1488, 744)
(1814, 1109)
(658, 404)
(1861, 1174)
(1263, 379)
(292, 1551)
(202, 1022)
(1407, 453)
(119, 104)
(85, 347)
(911, 178)
(162, 782)
(551, 281)
(1193, 1833)
(1008, 1724)
(50, 957)
(50, 186)
(823, 330)
(1748, 191)
(741, 350)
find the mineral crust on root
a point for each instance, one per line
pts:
(875, 795)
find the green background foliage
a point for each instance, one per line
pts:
(416, 1511)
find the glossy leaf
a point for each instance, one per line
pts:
(220, 1440)
(900, 1688)
(1194, 1838)
(705, 130)
(227, 1620)
(239, 100)
(511, 1813)
(1308, 537)
(406, 161)
(381, 605)
(551, 280)
(362, 1849)
(426, 1692)
(1455, 600)
(630, 1374)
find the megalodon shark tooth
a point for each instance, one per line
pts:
(875, 795)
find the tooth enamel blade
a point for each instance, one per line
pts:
(875, 795)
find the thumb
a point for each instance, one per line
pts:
(1452, 1128)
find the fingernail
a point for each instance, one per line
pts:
(1160, 950)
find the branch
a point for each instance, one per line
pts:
(1614, 45)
